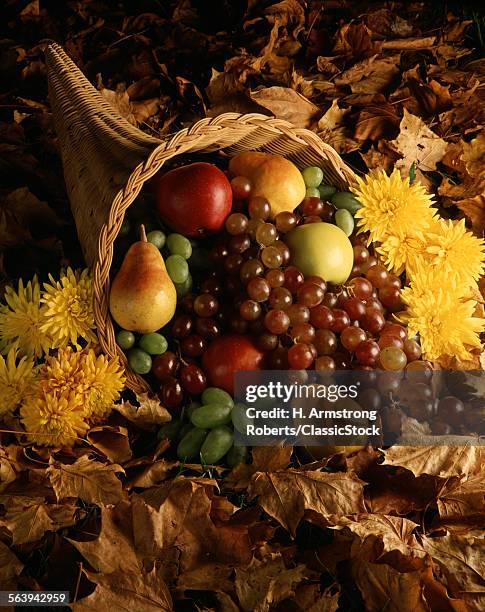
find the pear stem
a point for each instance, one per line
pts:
(143, 236)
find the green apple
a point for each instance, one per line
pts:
(321, 249)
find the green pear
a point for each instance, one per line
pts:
(321, 249)
(143, 296)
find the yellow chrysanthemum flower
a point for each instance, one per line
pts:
(69, 308)
(391, 206)
(399, 252)
(443, 318)
(456, 251)
(21, 320)
(17, 381)
(54, 420)
(97, 380)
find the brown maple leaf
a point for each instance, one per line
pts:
(394, 533)
(285, 103)
(288, 495)
(264, 583)
(460, 558)
(442, 461)
(10, 568)
(463, 497)
(29, 518)
(111, 441)
(148, 415)
(418, 145)
(89, 480)
(384, 588)
(126, 591)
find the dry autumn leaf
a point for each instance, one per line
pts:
(442, 461)
(149, 414)
(463, 497)
(265, 583)
(10, 568)
(176, 517)
(114, 549)
(310, 598)
(474, 211)
(286, 104)
(371, 75)
(288, 495)
(395, 533)
(384, 588)
(460, 557)
(7, 470)
(126, 591)
(91, 481)
(112, 442)
(29, 518)
(474, 155)
(265, 459)
(418, 145)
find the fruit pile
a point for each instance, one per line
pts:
(264, 270)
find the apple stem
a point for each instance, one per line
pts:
(143, 236)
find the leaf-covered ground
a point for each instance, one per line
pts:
(118, 522)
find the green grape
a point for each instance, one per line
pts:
(240, 419)
(312, 192)
(216, 445)
(393, 358)
(345, 221)
(211, 415)
(153, 344)
(171, 431)
(346, 200)
(271, 257)
(236, 455)
(177, 268)
(156, 237)
(213, 395)
(312, 176)
(327, 191)
(140, 361)
(190, 445)
(189, 411)
(125, 339)
(179, 245)
(185, 287)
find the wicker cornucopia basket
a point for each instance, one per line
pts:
(107, 160)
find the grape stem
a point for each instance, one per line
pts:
(143, 236)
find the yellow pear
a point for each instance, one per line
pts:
(143, 296)
(273, 177)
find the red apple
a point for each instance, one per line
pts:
(226, 356)
(193, 200)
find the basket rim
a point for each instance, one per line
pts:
(181, 142)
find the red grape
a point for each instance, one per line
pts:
(300, 356)
(341, 320)
(367, 352)
(193, 379)
(325, 341)
(182, 326)
(303, 333)
(276, 321)
(322, 317)
(293, 279)
(241, 187)
(193, 345)
(206, 305)
(164, 366)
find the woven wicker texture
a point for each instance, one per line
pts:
(107, 160)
